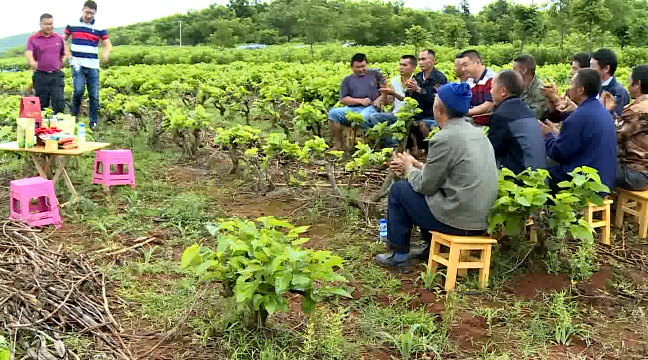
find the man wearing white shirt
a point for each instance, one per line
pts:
(395, 91)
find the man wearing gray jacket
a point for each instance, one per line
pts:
(453, 192)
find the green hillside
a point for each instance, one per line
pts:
(18, 40)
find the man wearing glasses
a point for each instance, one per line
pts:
(86, 38)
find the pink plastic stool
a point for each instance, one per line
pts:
(118, 158)
(44, 212)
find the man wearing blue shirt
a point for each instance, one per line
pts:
(588, 134)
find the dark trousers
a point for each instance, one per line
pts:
(630, 179)
(406, 208)
(49, 87)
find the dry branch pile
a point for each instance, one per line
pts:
(44, 293)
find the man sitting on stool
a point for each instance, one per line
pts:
(453, 192)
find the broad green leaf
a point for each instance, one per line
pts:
(337, 291)
(300, 281)
(190, 256)
(308, 304)
(200, 269)
(270, 305)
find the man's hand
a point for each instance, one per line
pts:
(402, 161)
(607, 100)
(387, 91)
(365, 102)
(547, 127)
(378, 103)
(413, 86)
(551, 93)
(34, 65)
(566, 105)
(105, 56)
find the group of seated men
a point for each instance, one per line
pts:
(455, 189)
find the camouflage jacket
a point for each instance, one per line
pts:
(632, 135)
(532, 95)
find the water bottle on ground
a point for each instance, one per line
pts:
(383, 231)
(82, 135)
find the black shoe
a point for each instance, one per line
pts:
(420, 252)
(93, 125)
(388, 260)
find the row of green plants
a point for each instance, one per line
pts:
(187, 101)
(500, 54)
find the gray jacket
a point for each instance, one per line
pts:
(460, 176)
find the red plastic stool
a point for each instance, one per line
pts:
(118, 158)
(44, 212)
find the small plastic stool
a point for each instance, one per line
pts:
(44, 212)
(454, 260)
(118, 158)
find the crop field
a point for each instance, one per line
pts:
(232, 155)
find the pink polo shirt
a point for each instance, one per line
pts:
(47, 50)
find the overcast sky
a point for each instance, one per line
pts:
(19, 17)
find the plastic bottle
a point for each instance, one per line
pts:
(383, 231)
(82, 135)
(54, 122)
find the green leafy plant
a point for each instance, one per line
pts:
(258, 265)
(4, 349)
(311, 116)
(429, 278)
(238, 138)
(408, 343)
(561, 309)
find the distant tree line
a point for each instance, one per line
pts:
(581, 24)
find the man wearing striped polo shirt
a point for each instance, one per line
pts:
(86, 37)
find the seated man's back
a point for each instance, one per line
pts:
(468, 189)
(514, 131)
(588, 135)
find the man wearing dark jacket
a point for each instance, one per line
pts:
(423, 88)
(514, 131)
(604, 61)
(588, 135)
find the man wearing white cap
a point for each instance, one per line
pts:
(453, 192)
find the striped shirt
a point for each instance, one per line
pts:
(85, 43)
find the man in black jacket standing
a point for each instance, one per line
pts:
(423, 88)
(514, 131)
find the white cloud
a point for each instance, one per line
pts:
(19, 17)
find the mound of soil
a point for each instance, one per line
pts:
(527, 285)
(469, 332)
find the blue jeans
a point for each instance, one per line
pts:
(82, 78)
(378, 118)
(339, 114)
(430, 123)
(406, 208)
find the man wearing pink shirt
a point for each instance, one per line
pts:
(45, 53)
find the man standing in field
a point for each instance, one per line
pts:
(482, 102)
(604, 61)
(514, 131)
(532, 95)
(632, 134)
(587, 137)
(45, 54)
(86, 37)
(357, 93)
(453, 192)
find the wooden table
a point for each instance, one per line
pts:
(62, 156)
